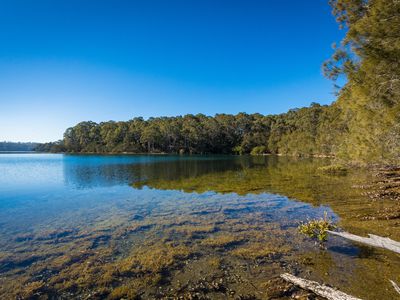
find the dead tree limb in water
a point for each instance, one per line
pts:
(396, 287)
(372, 240)
(319, 289)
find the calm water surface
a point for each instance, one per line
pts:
(126, 226)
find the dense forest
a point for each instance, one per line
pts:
(11, 146)
(306, 131)
(363, 125)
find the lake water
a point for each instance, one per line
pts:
(163, 226)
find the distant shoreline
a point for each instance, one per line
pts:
(19, 152)
(166, 153)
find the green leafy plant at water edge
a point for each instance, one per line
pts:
(238, 150)
(259, 150)
(317, 229)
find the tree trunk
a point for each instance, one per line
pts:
(396, 287)
(319, 289)
(372, 240)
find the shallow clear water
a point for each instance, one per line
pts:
(78, 226)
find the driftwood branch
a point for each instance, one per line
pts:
(319, 289)
(396, 287)
(372, 240)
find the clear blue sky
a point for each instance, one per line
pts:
(65, 61)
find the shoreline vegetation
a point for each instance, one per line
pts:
(18, 147)
(254, 134)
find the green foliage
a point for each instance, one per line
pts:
(258, 150)
(317, 229)
(53, 147)
(238, 150)
(369, 58)
(300, 132)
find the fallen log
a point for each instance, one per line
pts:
(396, 287)
(317, 288)
(372, 240)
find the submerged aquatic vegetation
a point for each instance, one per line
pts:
(318, 228)
(194, 230)
(222, 241)
(258, 250)
(155, 258)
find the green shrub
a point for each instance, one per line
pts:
(238, 150)
(317, 229)
(258, 150)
